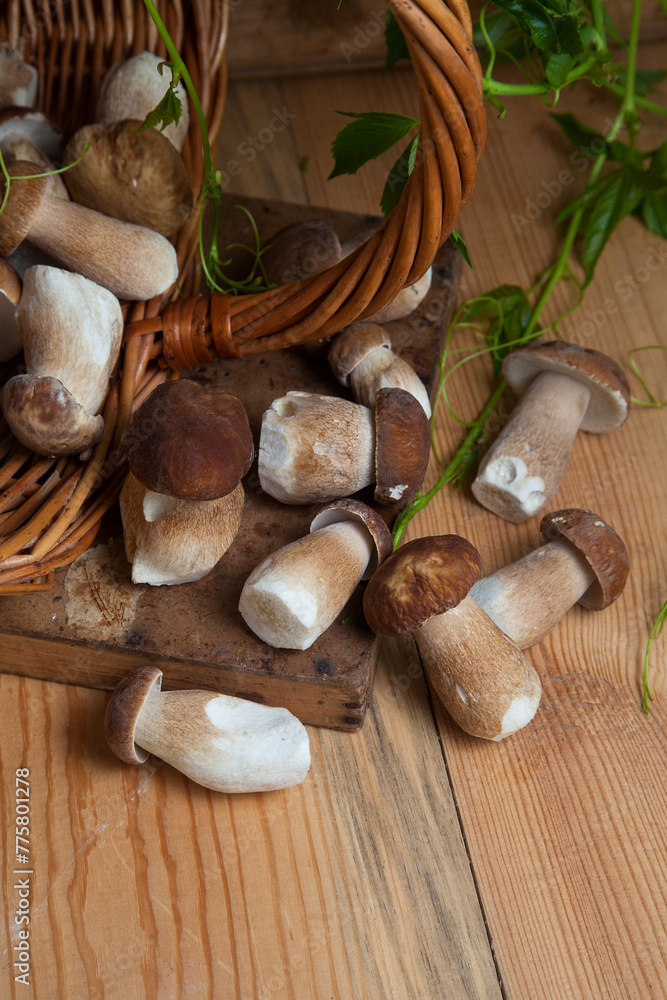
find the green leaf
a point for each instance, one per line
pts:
(505, 34)
(460, 244)
(580, 134)
(398, 176)
(586, 198)
(167, 112)
(619, 199)
(645, 79)
(370, 135)
(654, 213)
(552, 27)
(659, 160)
(557, 68)
(397, 48)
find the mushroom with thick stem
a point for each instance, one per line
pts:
(566, 388)
(181, 504)
(131, 261)
(481, 676)
(318, 448)
(132, 89)
(224, 743)
(137, 177)
(361, 356)
(71, 330)
(10, 295)
(583, 561)
(296, 593)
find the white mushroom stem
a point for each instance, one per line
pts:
(315, 448)
(171, 541)
(483, 679)
(296, 593)
(524, 467)
(529, 597)
(131, 261)
(382, 369)
(227, 744)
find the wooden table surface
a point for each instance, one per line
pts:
(414, 862)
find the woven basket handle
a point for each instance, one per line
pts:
(453, 131)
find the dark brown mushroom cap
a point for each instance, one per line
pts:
(123, 711)
(355, 510)
(425, 577)
(301, 250)
(190, 441)
(602, 547)
(25, 197)
(609, 404)
(403, 445)
(352, 345)
(136, 177)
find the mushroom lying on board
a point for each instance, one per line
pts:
(10, 294)
(71, 331)
(316, 448)
(481, 676)
(583, 561)
(132, 89)
(224, 743)
(181, 504)
(297, 592)
(131, 261)
(361, 356)
(566, 388)
(134, 176)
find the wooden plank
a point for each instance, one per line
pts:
(144, 885)
(95, 625)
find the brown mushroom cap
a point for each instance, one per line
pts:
(301, 250)
(123, 711)
(355, 510)
(609, 404)
(190, 441)
(352, 345)
(599, 544)
(403, 445)
(23, 201)
(45, 417)
(133, 176)
(425, 577)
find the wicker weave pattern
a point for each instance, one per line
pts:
(50, 509)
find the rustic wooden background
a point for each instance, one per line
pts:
(414, 862)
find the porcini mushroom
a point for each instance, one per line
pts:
(188, 447)
(223, 743)
(132, 89)
(71, 330)
(299, 251)
(565, 388)
(18, 80)
(317, 448)
(33, 125)
(408, 299)
(482, 678)
(297, 592)
(131, 261)
(583, 561)
(134, 176)
(361, 356)
(17, 147)
(10, 294)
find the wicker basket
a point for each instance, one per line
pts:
(50, 509)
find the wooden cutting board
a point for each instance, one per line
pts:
(95, 625)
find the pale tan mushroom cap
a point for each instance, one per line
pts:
(171, 541)
(18, 80)
(351, 345)
(609, 404)
(300, 251)
(123, 710)
(133, 88)
(34, 126)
